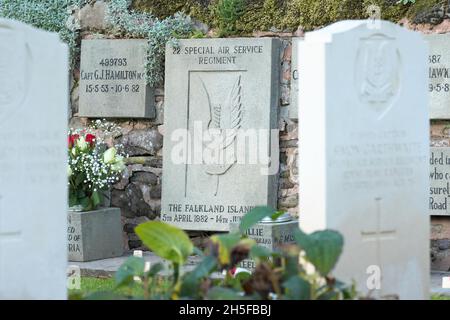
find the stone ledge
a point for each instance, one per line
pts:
(107, 267)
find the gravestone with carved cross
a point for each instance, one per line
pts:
(33, 174)
(364, 152)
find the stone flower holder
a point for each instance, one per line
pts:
(94, 235)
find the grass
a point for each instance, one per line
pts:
(92, 285)
(439, 297)
(104, 288)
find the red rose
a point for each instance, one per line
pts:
(72, 139)
(90, 138)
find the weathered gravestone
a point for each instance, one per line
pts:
(220, 106)
(439, 202)
(365, 150)
(33, 178)
(293, 106)
(439, 75)
(272, 235)
(113, 80)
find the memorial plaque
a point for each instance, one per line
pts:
(364, 160)
(113, 80)
(293, 106)
(225, 91)
(439, 75)
(33, 163)
(269, 235)
(439, 181)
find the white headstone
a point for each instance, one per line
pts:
(33, 147)
(364, 161)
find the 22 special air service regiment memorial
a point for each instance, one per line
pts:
(225, 54)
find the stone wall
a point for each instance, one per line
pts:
(139, 192)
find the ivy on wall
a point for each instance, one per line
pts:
(157, 31)
(57, 16)
(160, 21)
(286, 15)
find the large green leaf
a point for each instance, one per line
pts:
(155, 269)
(297, 288)
(96, 198)
(165, 240)
(205, 267)
(256, 215)
(133, 266)
(322, 248)
(260, 252)
(192, 280)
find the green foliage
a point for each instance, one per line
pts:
(158, 32)
(166, 241)
(314, 13)
(132, 267)
(322, 248)
(286, 14)
(163, 8)
(257, 215)
(265, 15)
(49, 15)
(278, 275)
(439, 297)
(227, 14)
(389, 10)
(164, 32)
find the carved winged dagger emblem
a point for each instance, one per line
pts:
(377, 73)
(225, 121)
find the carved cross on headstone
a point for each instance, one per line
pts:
(379, 233)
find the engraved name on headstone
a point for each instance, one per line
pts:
(113, 80)
(439, 75)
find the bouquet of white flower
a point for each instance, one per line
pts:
(93, 167)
